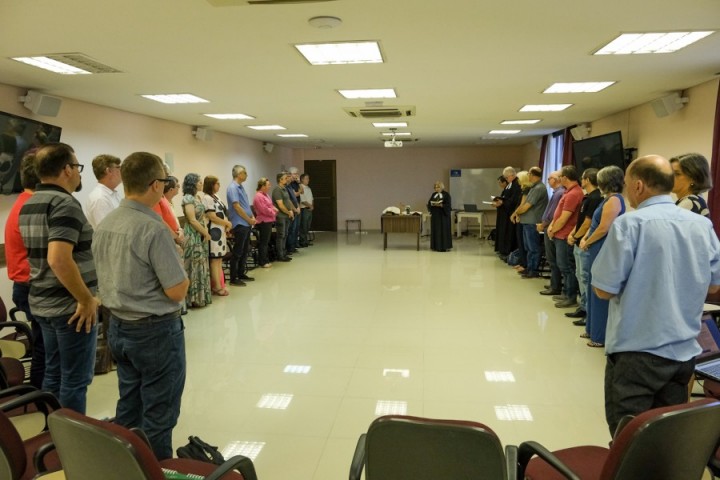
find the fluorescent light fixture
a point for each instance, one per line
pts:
(292, 135)
(397, 134)
(578, 87)
(369, 93)
(341, 53)
(266, 127)
(390, 124)
(513, 413)
(558, 107)
(504, 132)
(390, 407)
(229, 116)
(519, 122)
(173, 98)
(499, 377)
(396, 372)
(660, 42)
(52, 65)
(246, 449)
(303, 369)
(275, 401)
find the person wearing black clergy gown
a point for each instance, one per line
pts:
(506, 204)
(439, 207)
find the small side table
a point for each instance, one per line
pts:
(356, 221)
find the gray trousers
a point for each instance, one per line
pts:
(636, 382)
(282, 223)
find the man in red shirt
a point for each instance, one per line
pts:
(563, 222)
(18, 267)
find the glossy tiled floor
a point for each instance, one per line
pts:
(372, 331)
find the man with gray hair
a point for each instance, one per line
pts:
(105, 197)
(242, 219)
(143, 289)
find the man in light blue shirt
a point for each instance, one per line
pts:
(242, 219)
(656, 268)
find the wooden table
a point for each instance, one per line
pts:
(400, 224)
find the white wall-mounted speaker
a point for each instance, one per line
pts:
(669, 104)
(580, 132)
(268, 147)
(41, 104)
(203, 134)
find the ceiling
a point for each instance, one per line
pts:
(465, 65)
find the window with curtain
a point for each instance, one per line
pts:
(553, 154)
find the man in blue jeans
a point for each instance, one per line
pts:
(241, 216)
(529, 214)
(143, 289)
(62, 299)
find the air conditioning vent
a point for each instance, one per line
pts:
(82, 61)
(380, 112)
(236, 3)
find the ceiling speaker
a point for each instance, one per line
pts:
(268, 147)
(41, 104)
(667, 105)
(203, 134)
(580, 132)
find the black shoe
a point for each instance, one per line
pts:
(294, 250)
(245, 278)
(579, 313)
(529, 275)
(309, 244)
(550, 291)
(579, 323)
(286, 259)
(238, 283)
(302, 246)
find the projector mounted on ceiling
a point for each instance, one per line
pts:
(393, 143)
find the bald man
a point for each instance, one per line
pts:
(656, 268)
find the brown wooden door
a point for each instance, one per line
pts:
(322, 182)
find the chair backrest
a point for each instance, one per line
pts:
(12, 452)
(90, 448)
(666, 443)
(403, 447)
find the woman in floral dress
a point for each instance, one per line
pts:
(218, 225)
(197, 237)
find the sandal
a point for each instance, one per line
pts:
(221, 293)
(585, 335)
(595, 344)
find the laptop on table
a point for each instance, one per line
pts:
(470, 207)
(708, 362)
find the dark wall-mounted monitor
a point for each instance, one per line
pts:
(17, 136)
(598, 152)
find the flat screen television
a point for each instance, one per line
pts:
(598, 152)
(17, 136)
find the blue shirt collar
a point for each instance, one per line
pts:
(656, 199)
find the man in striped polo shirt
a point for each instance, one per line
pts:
(58, 238)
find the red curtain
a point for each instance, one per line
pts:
(714, 195)
(567, 147)
(543, 147)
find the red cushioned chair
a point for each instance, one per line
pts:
(91, 448)
(668, 443)
(398, 447)
(24, 459)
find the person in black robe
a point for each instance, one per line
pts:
(506, 204)
(440, 210)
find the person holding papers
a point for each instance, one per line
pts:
(440, 218)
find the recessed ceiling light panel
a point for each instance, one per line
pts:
(173, 98)
(578, 87)
(266, 127)
(369, 93)
(229, 116)
(292, 135)
(390, 124)
(519, 122)
(341, 53)
(397, 134)
(659, 42)
(52, 65)
(504, 132)
(558, 107)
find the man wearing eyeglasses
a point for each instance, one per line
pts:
(105, 197)
(143, 289)
(63, 281)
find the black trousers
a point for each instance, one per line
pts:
(636, 382)
(241, 248)
(264, 231)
